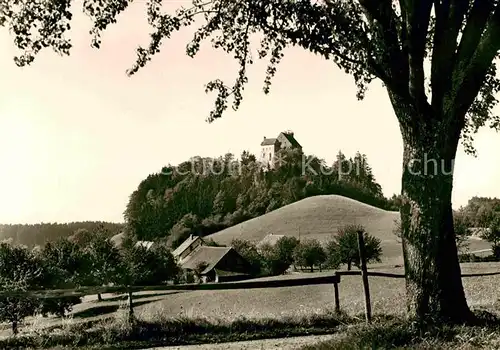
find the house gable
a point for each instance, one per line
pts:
(288, 140)
(217, 258)
(231, 262)
(187, 247)
(208, 255)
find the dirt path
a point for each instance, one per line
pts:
(292, 343)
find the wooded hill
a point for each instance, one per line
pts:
(205, 195)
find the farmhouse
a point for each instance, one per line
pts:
(144, 244)
(269, 147)
(478, 232)
(117, 240)
(221, 264)
(270, 239)
(187, 247)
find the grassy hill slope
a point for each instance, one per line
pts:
(319, 217)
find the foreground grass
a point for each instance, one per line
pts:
(385, 332)
(118, 333)
(396, 333)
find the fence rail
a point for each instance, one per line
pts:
(334, 279)
(398, 275)
(82, 291)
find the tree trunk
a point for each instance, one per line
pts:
(312, 268)
(99, 297)
(15, 329)
(349, 265)
(433, 277)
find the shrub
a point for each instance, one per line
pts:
(492, 235)
(273, 263)
(468, 257)
(309, 253)
(250, 253)
(343, 248)
(20, 271)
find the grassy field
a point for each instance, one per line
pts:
(387, 298)
(256, 308)
(315, 217)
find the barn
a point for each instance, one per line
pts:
(220, 264)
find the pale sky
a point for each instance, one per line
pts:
(77, 135)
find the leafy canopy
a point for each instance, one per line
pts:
(343, 248)
(309, 253)
(435, 57)
(20, 271)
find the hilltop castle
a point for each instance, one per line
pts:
(269, 147)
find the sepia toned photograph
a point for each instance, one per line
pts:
(249, 174)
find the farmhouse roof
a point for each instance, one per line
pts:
(117, 240)
(145, 244)
(271, 239)
(185, 245)
(268, 142)
(289, 136)
(478, 231)
(209, 255)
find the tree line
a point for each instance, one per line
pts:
(38, 234)
(187, 199)
(483, 213)
(71, 263)
(340, 250)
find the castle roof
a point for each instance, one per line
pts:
(268, 142)
(289, 136)
(286, 134)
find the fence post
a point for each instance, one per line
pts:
(130, 305)
(364, 275)
(336, 290)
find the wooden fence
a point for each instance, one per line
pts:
(334, 279)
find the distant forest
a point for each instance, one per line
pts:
(39, 234)
(204, 195)
(481, 211)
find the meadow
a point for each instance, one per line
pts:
(210, 316)
(312, 305)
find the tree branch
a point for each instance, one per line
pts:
(450, 15)
(383, 21)
(395, 58)
(476, 23)
(468, 81)
(417, 15)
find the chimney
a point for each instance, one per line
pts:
(264, 138)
